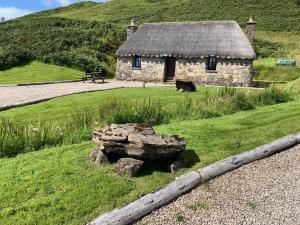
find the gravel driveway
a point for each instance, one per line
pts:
(264, 192)
(26, 94)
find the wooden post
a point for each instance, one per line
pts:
(145, 205)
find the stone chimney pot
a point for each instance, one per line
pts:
(131, 28)
(250, 29)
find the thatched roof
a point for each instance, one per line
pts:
(224, 39)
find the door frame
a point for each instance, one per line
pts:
(170, 62)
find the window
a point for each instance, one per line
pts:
(211, 63)
(137, 62)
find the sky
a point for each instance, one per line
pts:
(15, 8)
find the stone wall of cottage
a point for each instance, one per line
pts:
(152, 69)
(229, 71)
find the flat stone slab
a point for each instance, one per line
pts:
(137, 141)
(128, 166)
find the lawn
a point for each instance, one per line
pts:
(38, 72)
(70, 120)
(266, 69)
(61, 186)
(63, 107)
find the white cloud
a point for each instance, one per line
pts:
(12, 12)
(65, 2)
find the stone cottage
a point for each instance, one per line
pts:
(208, 52)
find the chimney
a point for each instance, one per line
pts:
(131, 28)
(250, 29)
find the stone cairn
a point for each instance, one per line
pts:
(129, 145)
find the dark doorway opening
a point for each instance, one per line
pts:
(170, 68)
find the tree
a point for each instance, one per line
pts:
(2, 19)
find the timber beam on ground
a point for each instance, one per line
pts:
(146, 204)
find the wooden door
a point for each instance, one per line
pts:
(170, 68)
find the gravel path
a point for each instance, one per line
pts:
(264, 192)
(25, 94)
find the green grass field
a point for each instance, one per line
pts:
(61, 185)
(266, 69)
(63, 107)
(38, 72)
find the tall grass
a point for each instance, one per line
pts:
(271, 96)
(16, 138)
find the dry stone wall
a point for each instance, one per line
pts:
(152, 69)
(229, 72)
(234, 72)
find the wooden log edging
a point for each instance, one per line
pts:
(145, 205)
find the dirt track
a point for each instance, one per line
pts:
(15, 95)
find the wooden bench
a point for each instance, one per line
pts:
(286, 62)
(94, 76)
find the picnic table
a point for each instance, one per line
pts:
(94, 76)
(286, 62)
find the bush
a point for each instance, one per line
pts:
(265, 49)
(84, 45)
(12, 55)
(74, 60)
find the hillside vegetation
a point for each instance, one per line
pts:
(86, 35)
(83, 45)
(276, 15)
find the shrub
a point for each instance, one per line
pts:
(265, 49)
(12, 55)
(74, 60)
(83, 45)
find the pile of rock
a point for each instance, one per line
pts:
(131, 144)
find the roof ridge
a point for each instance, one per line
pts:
(192, 22)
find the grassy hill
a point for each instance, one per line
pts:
(279, 16)
(86, 35)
